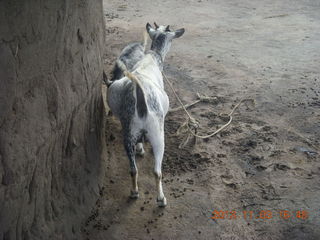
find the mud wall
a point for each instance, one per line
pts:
(50, 116)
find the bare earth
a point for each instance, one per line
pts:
(268, 159)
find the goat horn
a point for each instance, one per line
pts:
(168, 28)
(156, 25)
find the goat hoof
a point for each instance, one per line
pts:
(162, 202)
(134, 194)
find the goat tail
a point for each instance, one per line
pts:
(141, 104)
(145, 40)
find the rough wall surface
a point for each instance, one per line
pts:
(50, 116)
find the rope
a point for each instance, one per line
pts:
(223, 126)
(201, 98)
(176, 95)
(191, 123)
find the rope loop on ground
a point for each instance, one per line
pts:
(191, 125)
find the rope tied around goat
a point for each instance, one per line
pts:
(191, 124)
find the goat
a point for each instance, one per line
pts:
(129, 56)
(141, 104)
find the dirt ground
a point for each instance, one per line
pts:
(266, 162)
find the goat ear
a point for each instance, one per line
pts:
(150, 30)
(178, 33)
(148, 27)
(168, 28)
(156, 25)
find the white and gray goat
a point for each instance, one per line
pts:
(138, 99)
